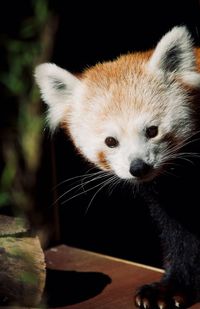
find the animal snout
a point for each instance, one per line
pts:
(139, 168)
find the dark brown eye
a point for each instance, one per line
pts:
(111, 142)
(151, 131)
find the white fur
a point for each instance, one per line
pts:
(191, 79)
(180, 37)
(57, 100)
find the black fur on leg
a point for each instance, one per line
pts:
(180, 285)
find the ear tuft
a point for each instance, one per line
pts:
(174, 52)
(57, 87)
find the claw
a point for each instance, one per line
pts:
(178, 301)
(161, 305)
(138, 301)
(146, 304)
(177, 304)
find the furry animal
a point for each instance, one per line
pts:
(138, 117)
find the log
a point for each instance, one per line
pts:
(13, 225)
(22, 265)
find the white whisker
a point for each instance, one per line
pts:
(80, 185)
(105, 183)
(114, 184)
(80, 193)
(77, 177)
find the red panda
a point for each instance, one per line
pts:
(132, 117)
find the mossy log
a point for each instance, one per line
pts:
(22, 265)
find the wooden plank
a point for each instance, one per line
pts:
(94, 281)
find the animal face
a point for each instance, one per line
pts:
(129, 116)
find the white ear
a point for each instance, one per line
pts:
(57, 87)
(174, 52)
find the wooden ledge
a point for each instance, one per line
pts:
(93, 280)
(79, 279)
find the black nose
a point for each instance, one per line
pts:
(139, 168)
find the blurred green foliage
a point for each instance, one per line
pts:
(21, 136)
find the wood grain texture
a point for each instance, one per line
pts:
(94, 281)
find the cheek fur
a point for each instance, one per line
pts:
(102, 161)
(64, 126)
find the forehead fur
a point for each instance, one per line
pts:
(120, 71)
(125, 86)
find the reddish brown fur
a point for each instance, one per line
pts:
(102, 162)
(118, 69)
(64, 126)
(197, 53)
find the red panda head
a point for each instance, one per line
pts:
(127, 116)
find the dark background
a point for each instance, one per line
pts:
(117, 224)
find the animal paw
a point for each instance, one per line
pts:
(160, 296)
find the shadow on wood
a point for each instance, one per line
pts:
(70, 287)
